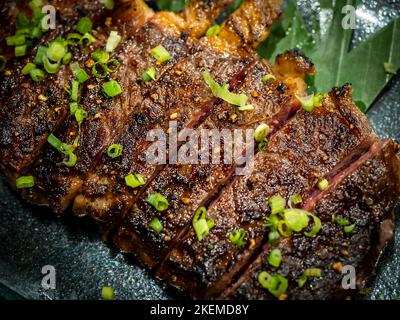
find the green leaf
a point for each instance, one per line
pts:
(363, 67)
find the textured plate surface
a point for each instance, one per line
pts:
(31, 237)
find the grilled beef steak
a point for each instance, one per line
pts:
(328, 158)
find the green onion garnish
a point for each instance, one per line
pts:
(261, 132)
(64, 148)
(40, 54)
(262, 145)
(158, 201)
(275, 258)
(222, 92)
(294, 200)
(36, 33)
(156, 225)
(114, 151)
(349, 229)
(113, 41)
(73, 107)
(74, 39)
(37, 75)
(308, 273)
(56, 50)
(323, 184)
(273, 236)
(20, 51)
(134, 181)
(78, 72)
(275, 284)
(296, 219)
(160, 54)
(84, 25)
(3, 62)
(112, 88)
(28, 68)
(16, 40)
(108, 4)
(107, 293)
(201, 225)
(112, 65)
(51, 67)
(67, 58)
(87, 39)
(308, 103)
(317, 225)
(277, 204)
(25, 182)
(149, 74)
(340, 220)
(74, 90)
(101, 56)
(213, 31)
(268, 77)
(237, 238)
(95, 70)
(80, 115)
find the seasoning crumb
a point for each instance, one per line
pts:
(108, 22)
(99, 101)
(233, 117)
(7, 73)
(25, 85)
(41, 97)
(167, 238)
(178, 72)
(174, 278)
(91, 86)
(173, 116)
(252, 243)
(186, 200)
(89, 63)
(344, 252)
(283, 297)
(337, 266)
(153, 96)
(255, 94)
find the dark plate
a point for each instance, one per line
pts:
(31, 237)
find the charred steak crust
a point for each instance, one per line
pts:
(335, 142)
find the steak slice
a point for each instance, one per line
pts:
(304, 151)
(365, 194)
(29, 111)
(190, 185)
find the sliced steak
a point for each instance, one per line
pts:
(365, 194)
(304, 151)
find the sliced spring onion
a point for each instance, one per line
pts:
(308, 273)
(74, 90)
(23, 21)
(37, 75)
(134, 180)
(262, 145)
(237, 238)
(149, 74)
(268, 77)
(112, 65)
(16, 40)
(78, 72)
(40, 54)
(113, 41)
(73, 107)
(160, 54)
(67, 58)
(222, 92)
(283, 229)
(213, 31)
(108, 4)
(201, 224)
(3, 62)
(310, 102)
(56, 50)
(156, 225)
(349, 229)
(114, 151)
(275, 258)
(261, 132)
(25, 182)
(80, 115)
(50, 67)
(64, 148)
(317, 225)
(323, 184)
(28, 68)
(84, 25)
(158, 201)
(296, 219)
(87, 39)
(99, 74)
(273, 236)
(340, 220)
(271, 222)
(275, 284)
(74, 39)
(112, 88)
(36, 33)
(20, 51)
(101, 56)
(277, 204)
(294, 200)
(107, 293)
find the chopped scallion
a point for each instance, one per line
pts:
(349, 229)
(323, 184)
(133, 180)
(37, 75)
(3, 62)
(74, 90)
(108, 4)
(28, 68)
(261, 132)
(20, 51)
(277, 204)
(40, 54)
(201, 224)
(84, 25)
(87, 39)
(112, 88)
(113, 41)
(97, 73)
(160, 54)
(213, 31)
(237, 238)
(114, 151)
(268, 77)
(275, 284)
(294, 200)
(101, 56)
(158, 201)
(107, 293)
(149, 74)
(25, 182)
(56, 51)
(16, 40)
(156, 225)
(275, 258)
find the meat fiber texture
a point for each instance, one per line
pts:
(333, 142)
